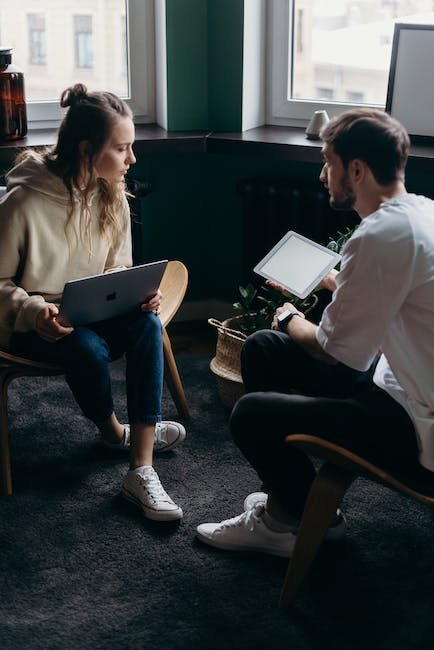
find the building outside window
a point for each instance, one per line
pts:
(105, 44)
(328, 94)
(83, 41)
(355, 97)
(37, 39)
(334, 51)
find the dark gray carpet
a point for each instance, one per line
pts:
(81, 568)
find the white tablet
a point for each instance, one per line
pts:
(297, 263)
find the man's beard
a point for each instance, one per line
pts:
(346, 198)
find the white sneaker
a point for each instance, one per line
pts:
(167, 436)
(247, 532)
(336, 530)
(123, 444)
(143, 487)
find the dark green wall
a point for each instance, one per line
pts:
(204, 64)
(187, 64)
(194, 214)
(225, 64)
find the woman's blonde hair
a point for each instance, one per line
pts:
(90, 118)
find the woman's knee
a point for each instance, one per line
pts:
(146, 327)
(83, 347)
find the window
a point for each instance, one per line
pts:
(107, 45)
(332, 54)
(355, 97)
(37, 44)
(83, 41)
(327, 94)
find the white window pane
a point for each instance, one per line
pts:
(341, 48)
(57, 43)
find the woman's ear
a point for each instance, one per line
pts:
(84, 149)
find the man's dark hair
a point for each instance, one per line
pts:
(372, 136)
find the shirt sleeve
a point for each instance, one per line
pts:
(18, 309)
(371, 286)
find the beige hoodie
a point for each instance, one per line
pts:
(35, 258)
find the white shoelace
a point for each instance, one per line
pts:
(152, 485)
(248, 519)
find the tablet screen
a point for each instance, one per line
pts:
(297, 263)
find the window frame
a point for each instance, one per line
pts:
(281, 110)
(141, 68)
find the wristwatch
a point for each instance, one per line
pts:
(284, 318)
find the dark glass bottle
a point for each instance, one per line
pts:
(13, 116)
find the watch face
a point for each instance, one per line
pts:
(283, 316)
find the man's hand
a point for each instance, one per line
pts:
(154, 303)
(278, 287)
(280, 310)
(329, 282)
(48, 327)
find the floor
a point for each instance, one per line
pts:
(193, 337)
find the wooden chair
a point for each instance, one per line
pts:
(339, 470)
(173, 287)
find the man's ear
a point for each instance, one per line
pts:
(357, 170)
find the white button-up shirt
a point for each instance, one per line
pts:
(384, 300)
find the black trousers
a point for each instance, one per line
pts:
(290, 392)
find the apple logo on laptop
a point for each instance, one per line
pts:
(111, 296)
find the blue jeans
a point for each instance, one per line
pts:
(86, 354)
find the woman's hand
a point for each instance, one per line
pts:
(154, 303)
(47, 326)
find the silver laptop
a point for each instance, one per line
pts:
(100, 297)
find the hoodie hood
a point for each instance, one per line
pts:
(32, 172)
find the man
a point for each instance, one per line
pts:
(364, 376)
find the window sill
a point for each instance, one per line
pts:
(289, 143)
(150, 139)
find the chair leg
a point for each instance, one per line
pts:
(173, 379)
(324, 499)
(5, 459)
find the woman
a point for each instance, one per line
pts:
(65, 216)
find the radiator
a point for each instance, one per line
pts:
(272, 206)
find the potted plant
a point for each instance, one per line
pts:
(255, 307)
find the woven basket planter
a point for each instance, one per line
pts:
(227, 361)
(226, 365)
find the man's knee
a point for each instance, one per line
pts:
(244, 416)
(257, 343)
